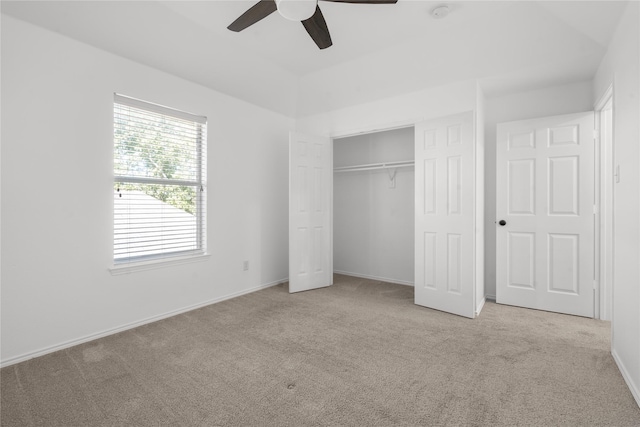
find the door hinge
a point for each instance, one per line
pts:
(596, 134)
(595, 209)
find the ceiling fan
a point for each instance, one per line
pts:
(305, 11)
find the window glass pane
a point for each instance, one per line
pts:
(154, 219)
(159, 189)
(147, 144)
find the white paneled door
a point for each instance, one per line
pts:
(545, 214)
(310, 212)
(445, 217)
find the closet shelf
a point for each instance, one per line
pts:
(372, 166)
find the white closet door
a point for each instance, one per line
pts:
(444, 251)
(545, 213)
(310, 212)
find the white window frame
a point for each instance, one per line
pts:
(146, 262)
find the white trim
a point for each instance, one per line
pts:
(490, 297)
(382, 279)
(375, 129)
(132, 267)
(608, 93)
(401, 124)
(91, 337)
(480, 306)
(604, 216)
(635, 388)
(331, 195)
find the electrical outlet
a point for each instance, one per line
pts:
(245, 266)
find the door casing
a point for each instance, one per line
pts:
(605, 201)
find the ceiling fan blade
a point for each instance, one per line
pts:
(365, 1)
(258, 11)
(317, 28)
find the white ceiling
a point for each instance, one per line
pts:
(378, 50)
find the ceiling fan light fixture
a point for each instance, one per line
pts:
(296, 10)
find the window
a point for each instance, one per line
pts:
(159, 182)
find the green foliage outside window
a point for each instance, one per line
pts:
(158, 148)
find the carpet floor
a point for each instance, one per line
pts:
(358, 353)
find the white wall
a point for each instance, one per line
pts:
(57, 151)
(373, 225)
(387, 113)
(621, 67)
(571, 98)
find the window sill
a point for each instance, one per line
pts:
(156, 264)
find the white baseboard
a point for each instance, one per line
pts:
(635, 388)
(490, 298)
(480, 306)
(87, 338)
(366, 276)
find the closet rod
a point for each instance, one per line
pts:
(371, 166)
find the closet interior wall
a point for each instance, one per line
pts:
(374, 209)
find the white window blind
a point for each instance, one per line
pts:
(159, 182)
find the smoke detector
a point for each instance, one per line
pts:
(440, 12)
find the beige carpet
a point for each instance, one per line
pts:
(359, 353)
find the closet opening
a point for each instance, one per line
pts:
(374, 205)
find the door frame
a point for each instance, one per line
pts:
(478, 303)
(604, 219)
(345, 134)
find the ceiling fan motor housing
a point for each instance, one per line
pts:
(296, 10)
